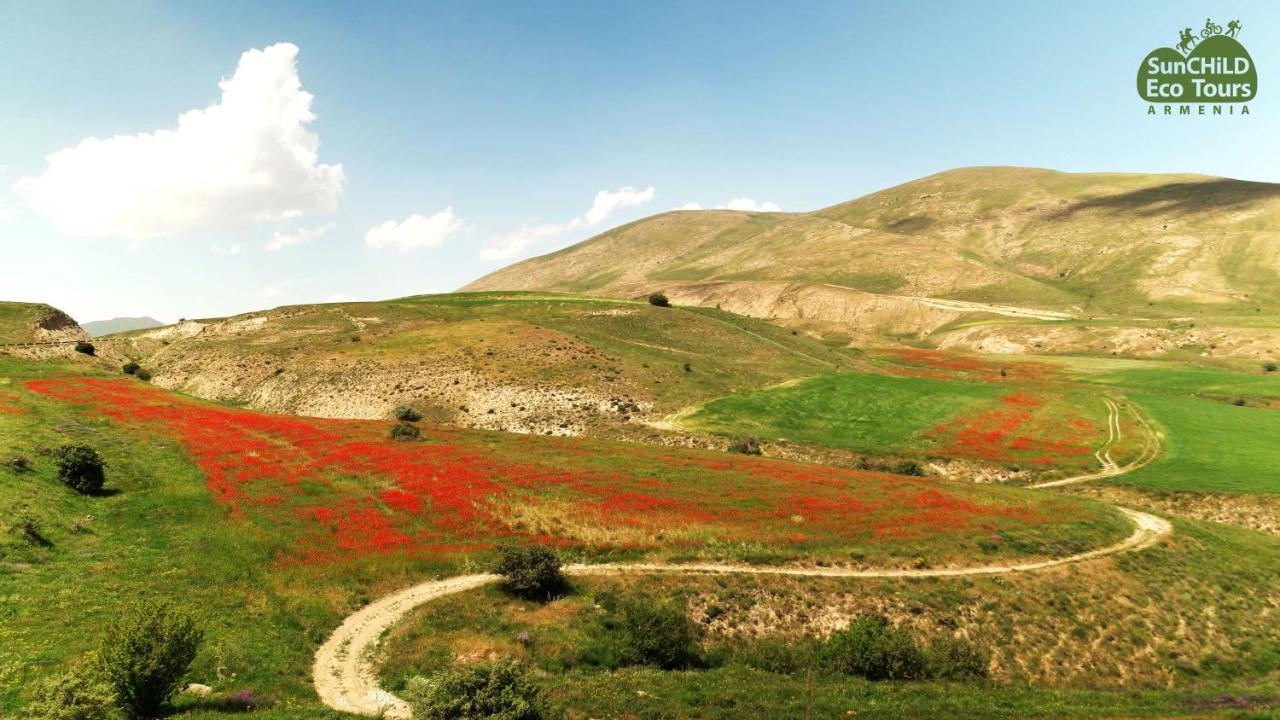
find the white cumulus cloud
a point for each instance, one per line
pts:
(504, 247)
(301, 236)
(248, 157)
(689, 206)
(415, 231)
(749, 205)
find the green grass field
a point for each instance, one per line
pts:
(854, 411)
(1211, 446)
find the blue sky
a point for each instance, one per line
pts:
(514, 116)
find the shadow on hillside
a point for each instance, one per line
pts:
(1178, 198)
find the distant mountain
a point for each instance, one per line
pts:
(98, 328)
(993, 259)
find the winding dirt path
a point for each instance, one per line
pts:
(345, 675)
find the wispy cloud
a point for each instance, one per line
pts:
(301, 236)
(504, 247)
(233, 249)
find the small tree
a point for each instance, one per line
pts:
(146, 653)
(80, 468)
(1270, 367)
(660, 634)
(143, 374)
(873, 649)
(405, 413)
(405, 431)
(85, 347)
(131, 367)
(500, 691)
(659, 299)
(78, 694)
(530, 571)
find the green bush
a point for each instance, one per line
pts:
(405, 431)
(500, 691)
(131, 367)
(1270, 367)
(908, 467)
(781, 655)
(746, 446)
(85, 347)
(531, 572)
(873, 649)
(146, 653)
(659, 299)
(80, 468)
(79, 694)
(405, 413)
(951, 658)
(143, 374)
(660, 634)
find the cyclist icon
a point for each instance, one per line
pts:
(1210, 28)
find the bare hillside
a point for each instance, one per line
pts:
(1038, 259)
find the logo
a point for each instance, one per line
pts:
(1207, 73)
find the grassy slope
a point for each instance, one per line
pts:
(160, 533)
(1013, 413)
(1193, 618)
(532, 340)
(18, 320)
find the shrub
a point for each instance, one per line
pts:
(80, 468)
(746, 446)
(146, 653)
(21, 463)
(500, 691)
(143, 374)
(405, 431)
(1270, 366)
(659, 634)
(873, 649)
(85, 347)
(908, 467)
(784, 656)
(530, 571)
(131, 367)
(951, 658)
(26, 526)
(405, 413)
(79, 694)
(1239, 402)
(659, 299)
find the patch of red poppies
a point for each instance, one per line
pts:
(335, 489)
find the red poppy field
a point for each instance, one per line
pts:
(336, 490)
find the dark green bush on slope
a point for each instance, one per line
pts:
(531, 572)
(81, 468)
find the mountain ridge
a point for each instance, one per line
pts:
(1130, 247)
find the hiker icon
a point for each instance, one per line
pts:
(1188, 39)
(1233, 28)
